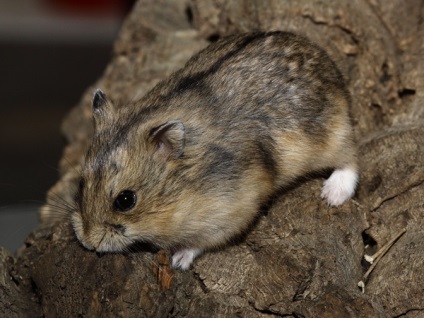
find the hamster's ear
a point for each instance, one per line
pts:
(102, 109)
(169, 139)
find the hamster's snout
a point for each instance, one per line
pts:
(104, 237)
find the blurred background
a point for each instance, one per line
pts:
(50, 52)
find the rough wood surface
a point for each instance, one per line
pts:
(301, 258)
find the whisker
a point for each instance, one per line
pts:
(73, 167)
(59, 208)
(57, 198)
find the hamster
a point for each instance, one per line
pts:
(188, 166)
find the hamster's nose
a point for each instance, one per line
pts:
(117, 227)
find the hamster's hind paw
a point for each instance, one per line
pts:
(340, 186)
(184, 258)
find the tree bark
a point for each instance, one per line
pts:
(301, 258)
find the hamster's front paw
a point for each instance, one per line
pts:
(340, 186)
(183, 258)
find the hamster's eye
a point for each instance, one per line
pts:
(125, 200)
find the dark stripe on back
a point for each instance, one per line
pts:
(193, 81)
(220, 164)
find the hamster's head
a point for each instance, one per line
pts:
(125, 193)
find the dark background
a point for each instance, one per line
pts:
(50, 52)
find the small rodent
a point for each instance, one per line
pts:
(188, 166)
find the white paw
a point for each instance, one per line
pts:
(183, 258)
(340, 186)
